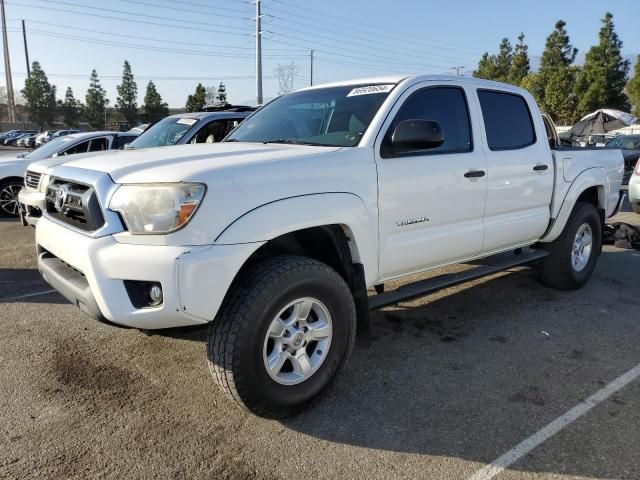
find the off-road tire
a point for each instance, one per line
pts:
(236, 336)
(556, 270)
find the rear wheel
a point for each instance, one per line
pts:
(9, 190)
(283, 333)
(573, 255)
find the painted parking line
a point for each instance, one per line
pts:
(44, 292)
(520, 450)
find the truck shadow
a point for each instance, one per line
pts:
(475, 370)
(24, 285)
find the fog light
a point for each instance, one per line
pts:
(155, 295)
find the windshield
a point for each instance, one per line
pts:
(168, 131)
(48, 149)
(626, 143)
(333, 116)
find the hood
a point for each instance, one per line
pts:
(47, 165)
(11, 165)
(189, 162)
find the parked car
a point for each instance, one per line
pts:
(23, 140)
(30, 142)
(140, 128)
(10, 140)
(13, 169)
(200, 127)
(275, 234)
(4, 135)
(31, 198)
(630, 146)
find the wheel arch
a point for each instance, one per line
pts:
(340, 218)
(588, 187)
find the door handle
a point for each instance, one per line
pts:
(539, 168)
(474, 174)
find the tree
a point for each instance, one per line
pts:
(153, 108)
(554, 85)
(520, 66)
(40, 96)
(633, 88)
(127, 94)
(486, 67)
(210, 95)
(196, 102)
(95, 102)
(70, 109)
(604, 73)
(503, 60)
(496, 67)
(222, 93)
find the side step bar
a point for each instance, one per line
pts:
(489, 265)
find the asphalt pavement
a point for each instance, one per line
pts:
(451, 383)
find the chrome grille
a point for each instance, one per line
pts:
(32, 179)
(77, 204)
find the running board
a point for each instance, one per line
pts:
(490, 265)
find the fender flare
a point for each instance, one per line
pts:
(286, 215)
(592, 177)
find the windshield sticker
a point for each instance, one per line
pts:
(370, 90)
(187, 121)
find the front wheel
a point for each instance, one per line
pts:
(573, 255)
(284, 331)
(9, 190)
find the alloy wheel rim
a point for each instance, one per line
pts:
(581, 248)
(9, 199)
(297, 341)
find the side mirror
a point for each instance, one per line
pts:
(126, 146)
(412, 135)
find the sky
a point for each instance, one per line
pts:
(178, 43)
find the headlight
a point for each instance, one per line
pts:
(159, 208)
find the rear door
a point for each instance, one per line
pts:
(520, 167)
(431, 202)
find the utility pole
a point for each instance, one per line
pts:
(106, 107)
(311, 57)
(26, 50)
(457, 68)
(7, 68)
(258, 54)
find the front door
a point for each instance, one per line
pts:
(431, 202)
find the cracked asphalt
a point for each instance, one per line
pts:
(450, 383)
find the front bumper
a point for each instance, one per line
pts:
(32, 204)
(90, 273)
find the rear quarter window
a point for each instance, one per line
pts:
(507, 120)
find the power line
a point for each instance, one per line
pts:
(152, 39)
(376, 28)
(369, 38)
(128, 45)
(129, 20)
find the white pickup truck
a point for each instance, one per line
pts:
(275, 235)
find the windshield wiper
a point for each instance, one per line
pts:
(289, 141)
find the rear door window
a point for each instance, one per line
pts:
(507, 120)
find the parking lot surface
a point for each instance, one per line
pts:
(451, 382)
